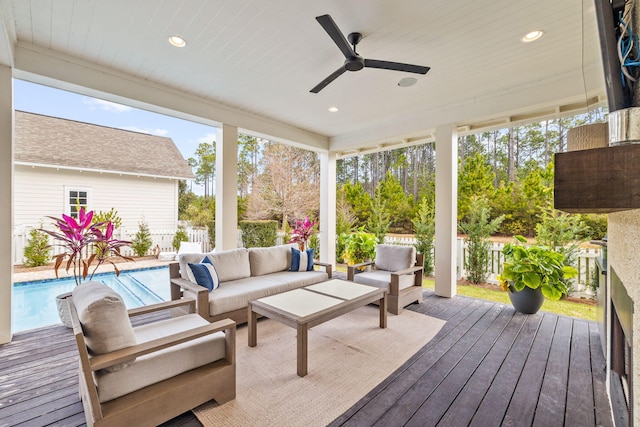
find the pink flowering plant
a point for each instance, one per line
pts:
(81, 238)
(303, 231)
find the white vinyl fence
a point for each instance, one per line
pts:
(162, 241)
(586, 261)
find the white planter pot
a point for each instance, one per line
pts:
(63, 309)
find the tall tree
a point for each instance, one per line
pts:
(288, 185)
(204, 166)
(511, 166)
(248, 154)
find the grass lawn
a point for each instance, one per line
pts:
(563, 307)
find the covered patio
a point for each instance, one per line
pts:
(249, 67)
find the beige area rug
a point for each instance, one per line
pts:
(348, 357)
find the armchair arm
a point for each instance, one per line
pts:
(327, 267)
(201, 294)
(163, 306)
(123, 355)
(409, 270)
(351, 270)
(394, 287)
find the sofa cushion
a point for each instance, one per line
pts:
(382, 279)
(269, 260)
(161, 365)
(104, 319)
(395, 257)
(232, 264)
(301, 260)
(205, 275)
(237, 294)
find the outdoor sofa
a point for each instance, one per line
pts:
(242, 275)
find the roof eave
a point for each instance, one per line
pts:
(101, 171)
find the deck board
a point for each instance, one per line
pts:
(487, 366)
(580, 381)
(553, 393)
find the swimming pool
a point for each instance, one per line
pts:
(34, 305)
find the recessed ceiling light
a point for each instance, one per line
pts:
(407, 81)
(177, 41)
(532, 36)
(333, 109)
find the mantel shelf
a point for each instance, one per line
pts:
(600, 180)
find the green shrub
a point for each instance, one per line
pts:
(141, 242)
(314, 243)
(595, 226)
(211, 232)
(180, 236)
(425, 228)
(478, 229)
(37, 251)
(259, 234)
(379, 219)
(111, 216)
(345, 222)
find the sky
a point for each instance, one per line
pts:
(48, 101)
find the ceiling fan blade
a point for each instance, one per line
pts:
(337, 73)
(336, 35)
(397, 66)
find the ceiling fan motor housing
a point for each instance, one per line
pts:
(354, 63)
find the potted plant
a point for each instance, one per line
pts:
(531, 273)
(302, 233)
(359, 247)
(86, 246)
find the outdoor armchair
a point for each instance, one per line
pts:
(151, 373)
(398, 269)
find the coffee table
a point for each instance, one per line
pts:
(306, 307)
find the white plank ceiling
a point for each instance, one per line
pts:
(263, 56)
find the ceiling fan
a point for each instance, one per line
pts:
(353, 61)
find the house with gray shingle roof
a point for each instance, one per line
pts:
(60, 163)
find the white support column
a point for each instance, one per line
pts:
(446, 210)
(328, 207)
(6, 201)
(226, 187)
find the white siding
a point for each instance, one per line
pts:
(39, 192)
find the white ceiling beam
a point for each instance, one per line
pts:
(51, 68)
(522, 105)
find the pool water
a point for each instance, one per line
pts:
(34, 305)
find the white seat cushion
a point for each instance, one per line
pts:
(161, 365)
(237, 294)
(382, 279)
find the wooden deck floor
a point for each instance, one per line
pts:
(488, 366)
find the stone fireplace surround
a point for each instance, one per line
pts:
(623, 257)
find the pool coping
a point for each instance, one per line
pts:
(32, 276)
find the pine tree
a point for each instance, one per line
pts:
(142, 241)
(37, 251)
(478, 229)
(424, 225)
